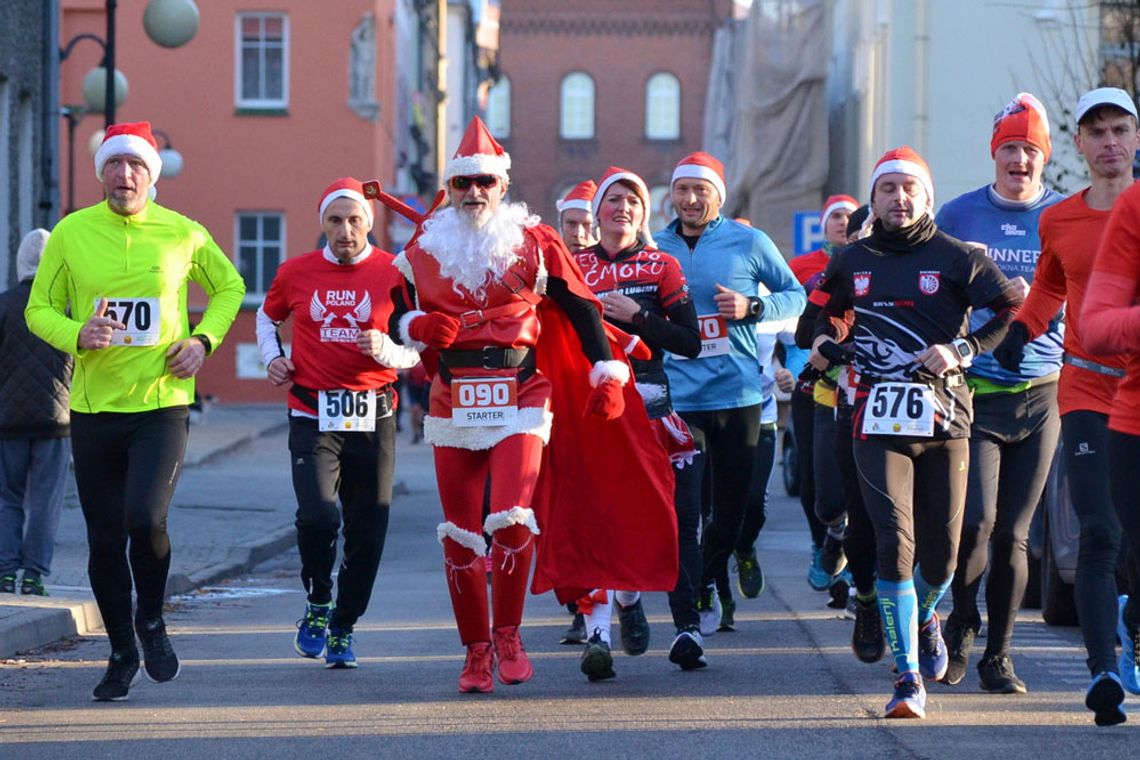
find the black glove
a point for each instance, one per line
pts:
(1009, 351)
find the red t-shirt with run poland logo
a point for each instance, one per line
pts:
(330, 303)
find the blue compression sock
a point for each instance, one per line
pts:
(928, 596)
(899, 605)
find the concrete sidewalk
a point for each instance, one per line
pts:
(27, 622)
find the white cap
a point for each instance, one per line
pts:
(1105, 96)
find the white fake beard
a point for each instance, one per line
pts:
(471, 254)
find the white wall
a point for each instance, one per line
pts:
(932, 74)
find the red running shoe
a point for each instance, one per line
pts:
(476, 675)
(514, 665)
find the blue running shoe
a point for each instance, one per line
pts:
(1105, 697)
(933, 658)
(909, 700)
(1129, 651)
(310, 639)
(818, 578)
(338, 652)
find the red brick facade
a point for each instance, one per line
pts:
(620, 45)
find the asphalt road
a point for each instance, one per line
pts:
(784, 685)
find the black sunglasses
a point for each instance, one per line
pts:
(482, 180)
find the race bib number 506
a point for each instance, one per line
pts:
(141, 317)
(347, 410)
(899, 409)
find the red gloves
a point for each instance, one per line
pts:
(605, 401)
(637, 349)
(437, 330)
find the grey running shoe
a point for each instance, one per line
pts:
(576, 633)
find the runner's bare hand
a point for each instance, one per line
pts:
(185, 357)
(97, 330)
(730, 304)
(280, 370)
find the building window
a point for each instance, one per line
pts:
(577, 107)
(499, 109)
(262, 60)
(25, 166)
(663, 107)
(660, 207)
(260, 247)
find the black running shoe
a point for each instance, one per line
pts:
(959, 641)
(998, 676)
(1105, 697)
(597, 660)
(122, 673)
(32, 585)
(749, 574)
(576, 633)
(8, 584)
(867, 639)
(634, 628)
(158, 655)
(687, 651)
(727, 615)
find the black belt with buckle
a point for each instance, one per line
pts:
(947, 381)
(488, 357)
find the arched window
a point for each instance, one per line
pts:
(499, 108)
(577, 106)
(663, 107)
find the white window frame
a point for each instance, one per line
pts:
(575, 121)
(663, 103)
(256, 291)
(261, 103)
(499, 108)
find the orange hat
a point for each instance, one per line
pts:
(346, 187)
(701, 165)
(837, 203)
(904, 160)
(579, 197)
(1024, 119)
(478, 153)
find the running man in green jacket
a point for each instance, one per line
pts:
(111, 290)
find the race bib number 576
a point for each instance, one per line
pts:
(141, 317)
(899, 409)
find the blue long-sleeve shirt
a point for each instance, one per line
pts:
(741, 258)
(1008, 230)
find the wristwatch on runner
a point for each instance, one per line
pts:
(964, 350)
(754, 306)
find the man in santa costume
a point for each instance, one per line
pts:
(342, 428)
(483, 279)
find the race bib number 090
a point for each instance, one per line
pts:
(484, 401)
(141, 317)
(344, 410)
(899, 409)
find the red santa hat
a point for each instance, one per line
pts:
(1024, 119)
(701, 165)
(478, 153)
(346, 187)
(904, 160)
(130, 139)
(617, 174)
(837, 203)
(579, 197)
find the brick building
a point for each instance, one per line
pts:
(593, 83)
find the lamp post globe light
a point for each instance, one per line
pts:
(171, 23)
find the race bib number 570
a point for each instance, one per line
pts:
(141, 317)
(899, 409)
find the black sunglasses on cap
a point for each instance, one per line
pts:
(482, 180)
